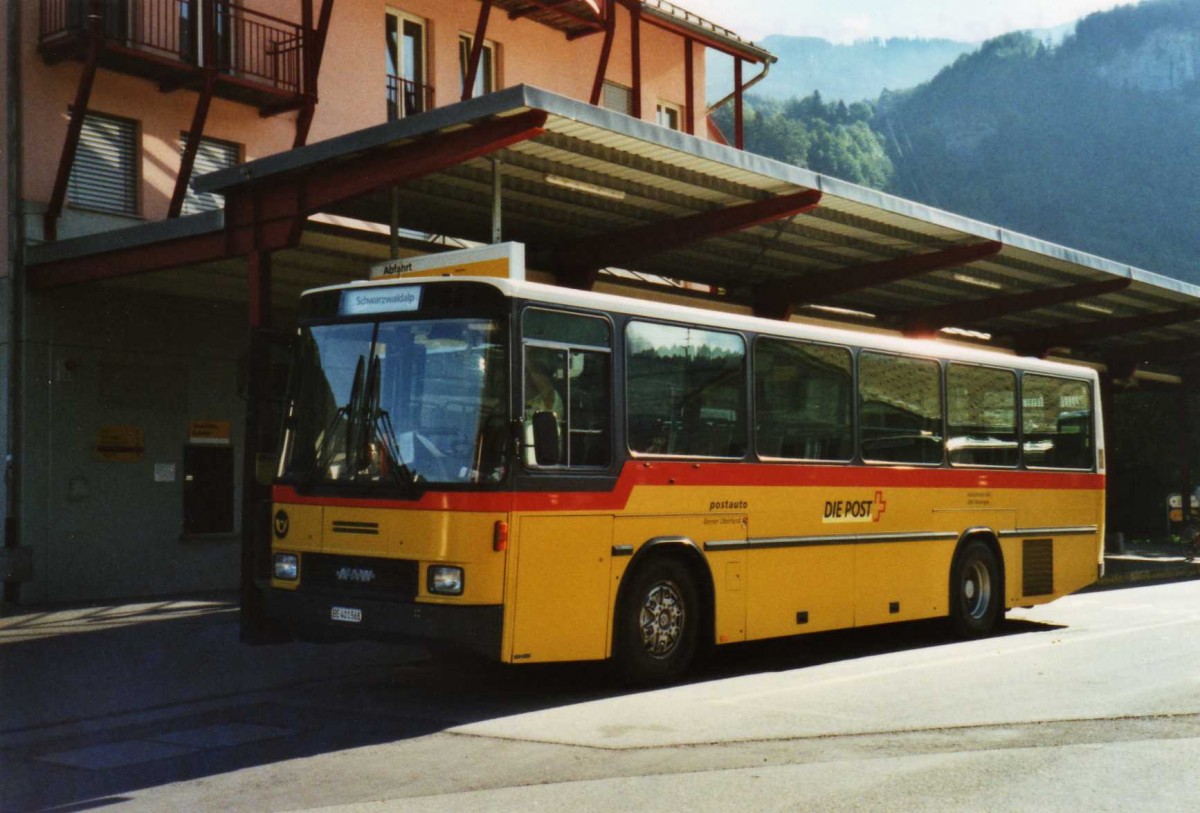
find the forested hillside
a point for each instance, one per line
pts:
(854, 71)
(1094, 143)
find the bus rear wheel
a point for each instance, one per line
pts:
(975, 590)
(657, 624)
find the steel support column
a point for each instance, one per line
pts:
(258, 442)
(1184, 421)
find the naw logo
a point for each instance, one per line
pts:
(361, 575)
(854, 510)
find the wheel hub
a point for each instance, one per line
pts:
(662, 619)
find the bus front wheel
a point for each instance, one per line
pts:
(657, 624)
(975, 590)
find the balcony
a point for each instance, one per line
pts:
(259, 59)
(407, 98)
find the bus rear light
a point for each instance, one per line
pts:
(500, 536)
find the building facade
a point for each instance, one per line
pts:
(124, 409)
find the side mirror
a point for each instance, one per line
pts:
(545, 439)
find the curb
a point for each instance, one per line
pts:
(1156, 574)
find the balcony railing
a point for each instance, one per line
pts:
(407, 98)
(236, 41)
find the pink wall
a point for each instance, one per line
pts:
(352, 85)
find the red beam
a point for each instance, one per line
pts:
(555, 7)
(739, 107)
(689, 87)
(128, 261)
(316, 45)
(610, 29)
(578, 264)
(269, 217)
(635, 49)
(961, 314)
(188, 160)
(83, 94)
(1040, 342)
(779, 301)
(481, 25)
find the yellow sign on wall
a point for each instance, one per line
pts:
(121, 444)
(210, 432)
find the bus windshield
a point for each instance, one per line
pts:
(398, 403)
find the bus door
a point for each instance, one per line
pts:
(561, 545)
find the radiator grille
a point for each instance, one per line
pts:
(1037, 567)
(357, 576)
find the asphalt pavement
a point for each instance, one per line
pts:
(101, 702)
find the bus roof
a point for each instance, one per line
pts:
(651, 309)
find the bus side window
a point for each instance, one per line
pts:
(686, 391)
(802, 408)
(982, 416)
(1057, 420)
(900, 409)
(568, 373)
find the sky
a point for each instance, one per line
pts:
(849, 20)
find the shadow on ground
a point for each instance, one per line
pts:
(120, 701)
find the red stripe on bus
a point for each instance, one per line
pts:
(715, 475)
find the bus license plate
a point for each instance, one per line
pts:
(348, 614)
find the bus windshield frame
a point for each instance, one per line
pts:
(398, 403)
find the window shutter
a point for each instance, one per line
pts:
(104, 175)
(211, 156)
(618, 98)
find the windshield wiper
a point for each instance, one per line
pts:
(378, 422)
(321, 460)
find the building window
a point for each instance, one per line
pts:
(617, 98)
(104, 174)
(408, 90)
(670, 116)
(485, 79)
(211, 156)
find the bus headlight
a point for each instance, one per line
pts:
(287, 567)
(445, 580)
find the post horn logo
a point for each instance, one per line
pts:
(281, 523)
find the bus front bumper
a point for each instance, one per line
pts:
(311, 617)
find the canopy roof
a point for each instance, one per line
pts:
(586, 188)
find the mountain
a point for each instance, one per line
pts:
(1091, 141)
(850, 73)
(1094, 143)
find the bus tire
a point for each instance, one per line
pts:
(658, 623)
(975, 590)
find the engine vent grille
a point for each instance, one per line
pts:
(1037, 567)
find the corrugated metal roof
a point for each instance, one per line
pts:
(648, 175)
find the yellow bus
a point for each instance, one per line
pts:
(543, 474)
